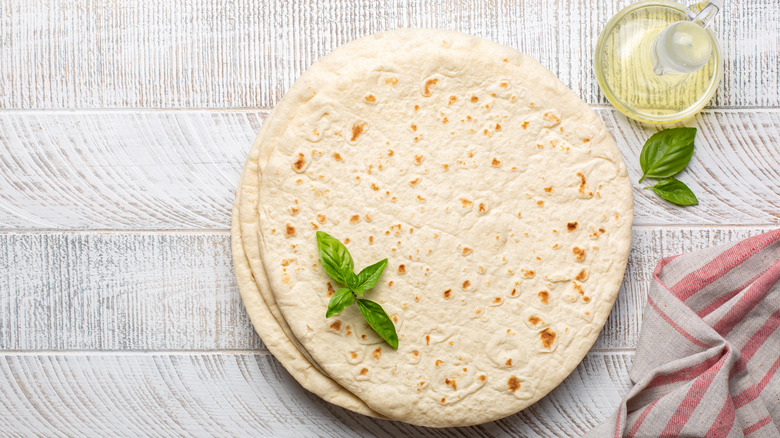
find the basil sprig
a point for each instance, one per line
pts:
(338, 263)
(665, 154)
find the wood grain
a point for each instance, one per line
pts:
(176, 291)
(246, 54)
(249, 394)
(147, 170)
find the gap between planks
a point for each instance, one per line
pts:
(34, 111)
(186, 232)
(13, 353)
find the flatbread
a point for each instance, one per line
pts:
(252, 283)
(499, 197)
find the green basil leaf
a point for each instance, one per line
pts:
(335, 257)
(352, 280)
(340, 300)
(674, 190)
(667, 152)
(379, 321)
(369, 277)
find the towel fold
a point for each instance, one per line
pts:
(708, 357)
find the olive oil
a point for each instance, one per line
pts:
(656, 79)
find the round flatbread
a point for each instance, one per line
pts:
(499, 198)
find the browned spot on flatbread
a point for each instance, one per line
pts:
(513, 293)
(402, 269)
(534, 320)
(447, 293)
(571, 226)
(427, 340)
(467, 251)
(364, 372)
(508, 362)
(582, 276)
(357, 129)
(528, 273)
(497, 300)
(443, 400)
(289, 230)
(466, 284)
(547, 337)
(300, 162)
(583, 185)
(482, 207)
(376, 354)
(474, 98)
(337, 156)
(414, 181)
(354, 219)
(346, 241)
(414, 127)
(363, 336)
(579, 253)
(331, 291)
(374, 187)
(451, 382)
(498, 126)
(370, 240)
(439, 362)
(513, 384)
(427, 88)
(370, 98)
(294, 211)
(315, 226)
(551, 117)
(544, 296)
(321, 218)
(540, 203)
(418, 159)
(525, 125)
(391, 81)
(353, 355)
(495, 162)
(336, 326)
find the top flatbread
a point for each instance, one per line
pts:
(499, 198)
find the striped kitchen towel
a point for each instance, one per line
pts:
(708, 354)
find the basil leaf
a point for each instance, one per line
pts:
(674, 190)
(369, 277)
(340, 300)
(335, 257)
(379, 321)
(667, 152)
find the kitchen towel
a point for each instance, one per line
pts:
(708, 354)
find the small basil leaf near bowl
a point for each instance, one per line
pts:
(666, 153)
(675, 191)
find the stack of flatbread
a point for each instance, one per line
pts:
(499, 198)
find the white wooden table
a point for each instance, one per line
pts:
(123, 128)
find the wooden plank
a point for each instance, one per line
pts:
(177, 291)
(228, 54)
(105, 291)
(249, 394)
(147, 170)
